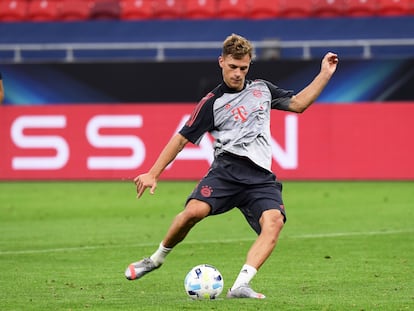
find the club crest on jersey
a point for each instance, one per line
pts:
(257, 93)
(240, 114)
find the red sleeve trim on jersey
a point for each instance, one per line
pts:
(197, 109)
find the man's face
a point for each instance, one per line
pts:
(234, 70)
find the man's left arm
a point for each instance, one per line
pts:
(310, 93)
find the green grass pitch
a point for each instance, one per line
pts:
(65, 246)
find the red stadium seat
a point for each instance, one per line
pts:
(261, 9)
(232, 9)
(328, 8)
(168, 9)
(42, 10)
(105, 9)
(13, 10)
(137, 9)
(74, 10)
(394, 7)
(360, 7)
(200, 9)
(295, 8)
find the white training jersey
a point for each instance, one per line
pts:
(239, 121)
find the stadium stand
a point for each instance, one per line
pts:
(328, 8)
(13, 10)
(74, 10)
(168, 9)
(43, 10)
(395, 7)
(358, 8)
(105, 9)
(135, 29)
(78, 10)
(200, 9)
(295, 8)
(234, 9)
(263, 9)
(137, 9)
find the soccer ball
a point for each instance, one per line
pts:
(203, 282)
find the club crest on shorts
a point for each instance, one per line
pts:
(206, 191)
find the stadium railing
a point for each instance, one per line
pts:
(164, 51)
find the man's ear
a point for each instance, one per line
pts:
(220, 61)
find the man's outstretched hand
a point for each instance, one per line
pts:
(144, 181)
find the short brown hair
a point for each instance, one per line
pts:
(237, 46)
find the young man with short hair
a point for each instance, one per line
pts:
(237, 114)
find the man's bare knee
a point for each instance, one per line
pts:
(272, 222)
(195, 211)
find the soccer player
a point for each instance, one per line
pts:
(237, 114)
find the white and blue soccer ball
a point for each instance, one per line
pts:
(203, 282)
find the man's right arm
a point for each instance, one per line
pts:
(167, 155)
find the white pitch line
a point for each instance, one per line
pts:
(300, 236)
(345, 234)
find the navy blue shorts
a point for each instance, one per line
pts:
(237, 182)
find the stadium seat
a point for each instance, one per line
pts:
(394, 7)
(137, 9)
(356, 8)
(105, 9)
(13, 10)
(200, 9)
(295, 8)
(74, 10)
(232, 9)
(168, 9)
(42, 10)
(328, 8)
(262, 9)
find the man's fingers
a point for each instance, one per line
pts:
(152, 190)
(142, 182)
(332, 57)
(140, 187)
